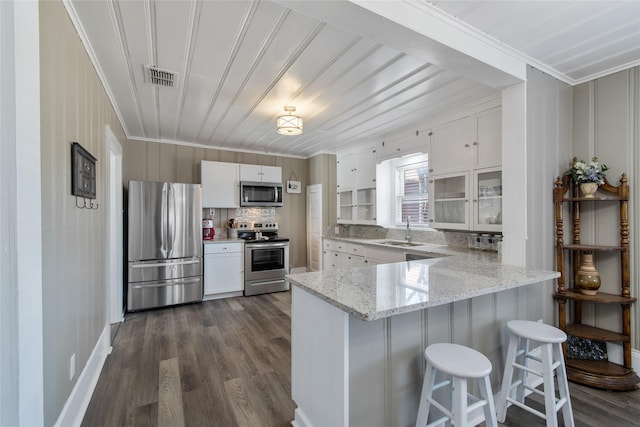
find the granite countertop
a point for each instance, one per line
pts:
(223, 240)
(376, 292)
(417, 247)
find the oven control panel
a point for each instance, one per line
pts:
(258, 226)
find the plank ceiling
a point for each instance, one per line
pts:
(238, 63)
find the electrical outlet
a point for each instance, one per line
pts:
(337, 230)
(212, 211)
(72, 366)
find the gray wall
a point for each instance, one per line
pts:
(74, 107)
(151, 161)
(606, 124)
(548, 148)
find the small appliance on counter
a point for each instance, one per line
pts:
(208, 232)
(266, 257)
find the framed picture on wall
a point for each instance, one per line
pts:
(83, 172)
(294, 187)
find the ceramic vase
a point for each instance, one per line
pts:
(587, 278)
(588, 189)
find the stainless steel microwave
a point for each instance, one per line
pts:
(260, 193)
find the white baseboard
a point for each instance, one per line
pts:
(614, 353)
(78, 401)
(222, 295)
(300, 420)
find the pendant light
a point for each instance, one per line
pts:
(289, 124)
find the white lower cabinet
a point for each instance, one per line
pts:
(223, 268)
(340, 254)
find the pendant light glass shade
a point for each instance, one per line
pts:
(289, 124)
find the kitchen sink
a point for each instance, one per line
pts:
(400, 243)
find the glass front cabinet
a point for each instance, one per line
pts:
(449, 196)
(357, 206)
(487, 200)
(467, 200)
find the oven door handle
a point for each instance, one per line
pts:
(266, 245)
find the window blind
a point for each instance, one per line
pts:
(412, 193)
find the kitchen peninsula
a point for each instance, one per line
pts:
(358, 334)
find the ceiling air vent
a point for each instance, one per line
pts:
(158, 76)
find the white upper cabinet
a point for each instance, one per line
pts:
(357, 170)
(220, 184)
(345, 169)
(257, 173)
(469, 143)
(465, 161)
(449, 151)
(467, 200)
(417, 142)
(366, 168)
(488, 131)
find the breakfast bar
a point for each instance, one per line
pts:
(358, 334)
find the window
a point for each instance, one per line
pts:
(412, 191)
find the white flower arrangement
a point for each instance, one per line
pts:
(582, 171)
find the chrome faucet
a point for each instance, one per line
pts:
(407, 236)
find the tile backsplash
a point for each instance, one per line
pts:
(449, 238)
(256, 214)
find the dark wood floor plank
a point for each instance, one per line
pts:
(170, 409)
(232, 358)
(241, 402)
(142, 416)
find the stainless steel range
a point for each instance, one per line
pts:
(266, 258)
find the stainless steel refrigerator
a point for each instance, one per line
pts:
(165, 244)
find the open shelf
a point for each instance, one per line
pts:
(593, 333)
(596, 373)
(599, 298)
(602, 374)
(594, 248)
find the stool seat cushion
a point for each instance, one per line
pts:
(536, 331)
(458, 360)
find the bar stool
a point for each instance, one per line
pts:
(550, 339)
(461, 364)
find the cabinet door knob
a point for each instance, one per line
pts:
(466, 145)
(475, 142)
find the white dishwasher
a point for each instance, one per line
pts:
(223, 269)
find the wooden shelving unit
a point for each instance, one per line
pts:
(596, 373)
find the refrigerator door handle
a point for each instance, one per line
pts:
(167, 282)
(163, 207)
(165, 264)
(171, 219)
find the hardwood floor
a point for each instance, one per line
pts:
(217, 363)
(228, 363)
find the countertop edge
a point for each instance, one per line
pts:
(529, 277)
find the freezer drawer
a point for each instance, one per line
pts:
(162, 293)
(145, 271)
